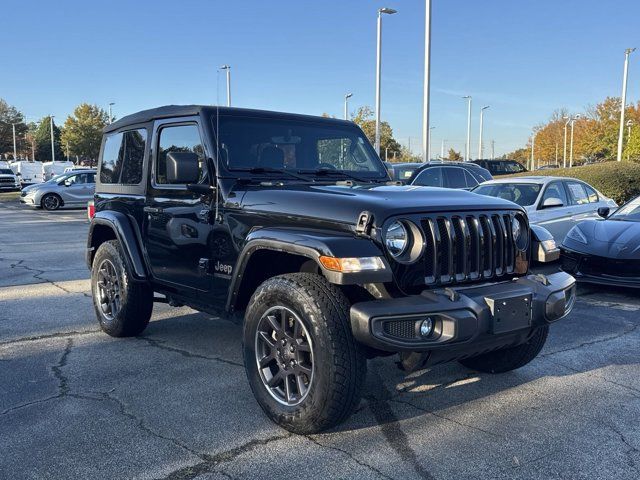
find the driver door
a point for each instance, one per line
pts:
(78, 189)
(557, 220)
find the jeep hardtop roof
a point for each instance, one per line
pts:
(169, 111)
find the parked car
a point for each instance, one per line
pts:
(403, 171)
(606, 251)
(555, 203)
(8, 180)
(52, 169)
(72, 189)
(460, 175)
(288, 221)
(501, 167)
(27, 172)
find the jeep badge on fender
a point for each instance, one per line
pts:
(291, 223)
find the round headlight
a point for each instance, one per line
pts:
(397, 239)
(515, 229)
(519, 233)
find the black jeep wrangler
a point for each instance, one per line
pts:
(292, 223)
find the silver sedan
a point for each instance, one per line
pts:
(555, 203)
(72, 189)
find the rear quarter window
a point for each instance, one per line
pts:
(123, 157)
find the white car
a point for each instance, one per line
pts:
(8, 180)
(555, 203)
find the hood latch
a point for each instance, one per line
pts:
(365, 220)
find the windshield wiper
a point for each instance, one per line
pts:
(330, 171)
(277, 170)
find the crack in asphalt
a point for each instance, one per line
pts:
(38, 275)
(46, 336)
(629, 453)
(186, 353)
(593, 342)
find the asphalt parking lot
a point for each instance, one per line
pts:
(175, 403)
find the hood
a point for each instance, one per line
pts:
(343, 203)
(612, 238)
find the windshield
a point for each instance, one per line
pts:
(524, 194)
(295, 146)
(6, 171)
(629, 211)
(57, 178)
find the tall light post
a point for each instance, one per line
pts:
(228, 70)
(481, 126)
(110, 115)
(53, 150)
(388, 11)
(429, 145)
(15, 150)
(629, 125)
(573, 121)
(346, 105)
(427, 77)
(623, 104)
(467, 151)
(564, 155)
(532, 165)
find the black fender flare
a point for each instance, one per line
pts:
(126, 234)
(311, 244)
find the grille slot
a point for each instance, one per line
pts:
(467, 247)
(401, 329)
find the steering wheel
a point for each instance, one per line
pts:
(326, 166)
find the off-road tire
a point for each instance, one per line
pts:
(507, 359)
(339, 364)
(46, 205)
(136, 298)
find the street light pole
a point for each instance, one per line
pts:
(481, 126)
(110, 115)
(228, 69)
(346, 105)
(388, 11)
(427, 77)
(15, 150)
(573, 121)
(429, 145)
(564, 155)
(467, 151)
(53, 150)
(533, 157)
(627, 52)
(629, 124)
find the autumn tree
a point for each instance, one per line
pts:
(454, 156)
(10, 115)
(365, 119)
(82, 131)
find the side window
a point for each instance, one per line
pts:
(471, 181)
(111, 165)
(455, 177)
(178, 138)
(592, 194)
(91, 178)
(429, 177)
(555, 190)
(123, 156)
(577, 193)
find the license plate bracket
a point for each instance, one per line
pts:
(509, 312)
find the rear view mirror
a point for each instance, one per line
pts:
(604, 211)
(182, 167)
(552, 202)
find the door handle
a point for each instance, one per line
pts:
(152, 210)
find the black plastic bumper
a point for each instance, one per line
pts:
(467, 321)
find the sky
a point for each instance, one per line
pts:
(522, 58)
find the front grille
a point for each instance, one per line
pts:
(7, 180)
(609, 267)
(400, 328)
(464, 247)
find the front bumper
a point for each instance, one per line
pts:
(28, 200)
(588, 268)
(467, 321)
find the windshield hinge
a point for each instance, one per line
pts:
(365, 220)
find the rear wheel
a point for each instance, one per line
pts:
(123, 306)
(507, 359)
(51, 201)
(303, 364)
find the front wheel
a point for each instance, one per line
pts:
(51, 202)
(302, 362)
(507, 359)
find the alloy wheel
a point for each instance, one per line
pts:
(284, 355)
(108, 291)
(51, 202)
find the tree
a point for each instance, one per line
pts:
(82, 131)
(10, 115)
(364, 118)
(42, 137)
(454, 156)
(632, 149)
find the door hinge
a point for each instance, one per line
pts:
(203, 266)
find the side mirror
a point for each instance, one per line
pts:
(182, 167)
(604, 211)
(552, 202)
